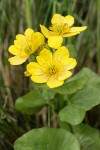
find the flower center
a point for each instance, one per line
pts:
(41, 47)
(59, 28)
(28, 49)
(52, 70)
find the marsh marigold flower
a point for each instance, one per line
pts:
(24, 46)
(51, 69)
(61, 27)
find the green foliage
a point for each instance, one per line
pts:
(72, 114)
(72, 51)
(88, 137)
(83, 99)
(79, 100)
(72, 86)
(83, 91)
(47, 139)
(87, 97)
(77, 82)
(30, 103)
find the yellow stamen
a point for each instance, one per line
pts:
(41, 47)
(52, 70)
(59, 28)
(28, 50)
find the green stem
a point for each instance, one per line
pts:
(54, 7)
(48, 113)
(28, 13)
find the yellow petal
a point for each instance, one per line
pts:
(69, 63)
(14, 50)
(27, 73)
(77, 29)
(68, 20)
(54, 82)
(18, 43)
(40, 78)
(46, 54)
(45, 58)
(34, 68)
(70, 34)
(60, 54)
(74, 30)
(28, 32)
(40, 38)
(45, 31)
(17, 60)
(55, 41)
(20, 37)
(37, 41)
(57, 18)
(23, 54)
(64, 75)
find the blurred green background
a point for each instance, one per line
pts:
(15, 17)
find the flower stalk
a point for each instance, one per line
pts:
(28, 14)
(48, 113)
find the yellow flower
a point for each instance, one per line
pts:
(61, 27)
(51, 69)
(24, 46)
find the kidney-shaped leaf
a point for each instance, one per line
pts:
(84, 99)
(72, 114)
(87, 98)
(47, 139)
(30, 103)
(88, 137)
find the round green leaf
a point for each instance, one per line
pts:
(72, 114)
(47, 139)
(88, 137)
(30, 103)
(87, 98)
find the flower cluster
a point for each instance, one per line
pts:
(53, 65)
